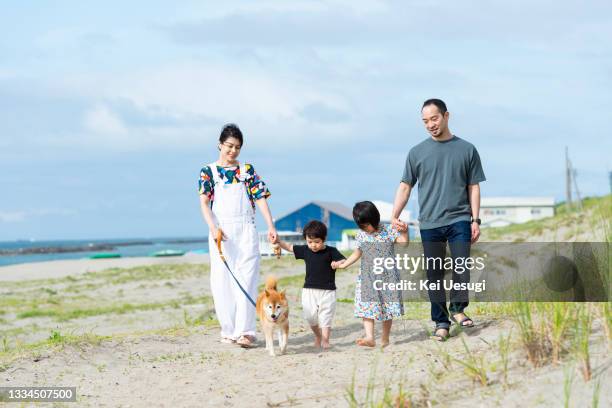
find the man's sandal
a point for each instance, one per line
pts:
(440, 337)
(462, 321)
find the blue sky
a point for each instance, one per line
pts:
(109, 109)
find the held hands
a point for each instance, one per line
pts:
(402, 228)
(272, 235)
(337, 264)
(399, 225)
(277, 249)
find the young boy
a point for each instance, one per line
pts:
(319, 292)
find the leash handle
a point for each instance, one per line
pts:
(218, 239)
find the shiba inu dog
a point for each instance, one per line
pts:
(273, 312)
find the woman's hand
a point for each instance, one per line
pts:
(215, 233)
(272, 235)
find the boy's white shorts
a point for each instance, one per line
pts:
(319, 306)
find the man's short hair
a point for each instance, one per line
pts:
(439, 103)
(315, 229)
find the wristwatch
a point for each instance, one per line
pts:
(476, 220)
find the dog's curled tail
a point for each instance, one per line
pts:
(271, 282)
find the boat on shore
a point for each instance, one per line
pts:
(105, 255)
(168, 252)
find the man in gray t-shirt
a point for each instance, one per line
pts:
(447, 170)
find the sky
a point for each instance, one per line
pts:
(108, 110)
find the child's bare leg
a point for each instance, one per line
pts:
(317, 332)
(325, 332)
(386, 331)
(368, 340)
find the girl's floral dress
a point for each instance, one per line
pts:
(378, 244)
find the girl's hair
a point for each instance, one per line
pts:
(365, 212)
(230, 130)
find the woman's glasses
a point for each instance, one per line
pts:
(231, 146)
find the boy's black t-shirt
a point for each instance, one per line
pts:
(319, 273)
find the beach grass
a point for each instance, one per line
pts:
(566, 225)
(69, 312)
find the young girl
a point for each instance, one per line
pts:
(374, 241)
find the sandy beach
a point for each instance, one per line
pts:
(59, 269)
(143, 333)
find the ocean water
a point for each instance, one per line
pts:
(126, 247)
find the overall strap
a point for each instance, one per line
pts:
(215, 180)
(244, 175)
(213, 169)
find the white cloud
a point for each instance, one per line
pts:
(377, 24)
(101, 120)
(12, 216)
(183, 103)
(213, 89)
(24, 215)
(7, 74)
(360, 7)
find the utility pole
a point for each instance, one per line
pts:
(568, 181)
(570, 178)
(578, 198)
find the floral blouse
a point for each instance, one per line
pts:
(386, 234)
(256, 187)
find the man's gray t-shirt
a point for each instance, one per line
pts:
(443, 171)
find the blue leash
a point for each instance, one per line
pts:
(219, 236)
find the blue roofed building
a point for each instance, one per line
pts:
(335, 216)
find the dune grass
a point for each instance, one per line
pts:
(63, 313)
(596, 215)
(539, 328)
(55, 342)
(112, 276)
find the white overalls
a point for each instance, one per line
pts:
(235, 215)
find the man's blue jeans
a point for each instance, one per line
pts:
(458, 235)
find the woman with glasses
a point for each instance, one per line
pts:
(229, 191)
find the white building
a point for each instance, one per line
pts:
(502, 211)
(386, 210)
